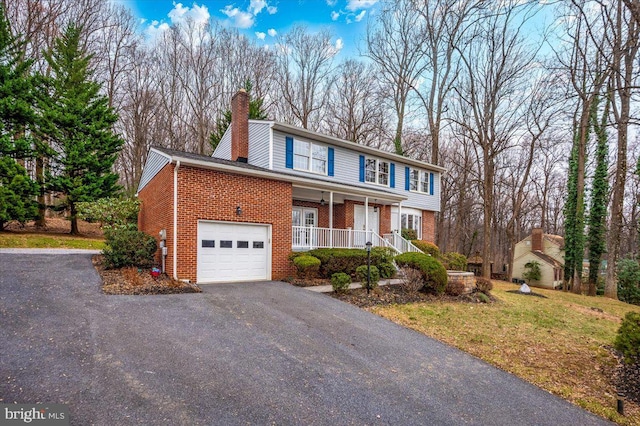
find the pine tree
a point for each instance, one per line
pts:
(598, 209)
(256, 112)
(17, 190)
(78, 121)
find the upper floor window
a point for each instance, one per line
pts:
(376, 171)
(309, 157)
(419, 181)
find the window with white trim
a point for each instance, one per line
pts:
(309, 157)
(419, 181)
(412, 221)
(376, 171)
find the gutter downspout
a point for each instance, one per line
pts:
(175, 220)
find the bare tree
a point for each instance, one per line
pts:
(305, 65)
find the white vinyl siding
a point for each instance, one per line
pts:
(258, 145)
(223, 150)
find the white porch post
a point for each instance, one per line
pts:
(366, 218)
(400, 217)
(331, 219)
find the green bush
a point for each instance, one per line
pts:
(110, 212)
(129, 247)
(409, 234)
(427, 247)
(307, 266)
(347, 260)
(484, 285)
(629, 281)
(454, 261)
(361, 273)
(387, 270)
(628, 338)
(340, 282)
(482, 297)
(433, 273)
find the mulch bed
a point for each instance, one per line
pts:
(132, 281)
(395, 294)
(627, 378)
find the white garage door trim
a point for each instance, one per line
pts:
(230, 263)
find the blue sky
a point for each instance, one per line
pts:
(264, 20)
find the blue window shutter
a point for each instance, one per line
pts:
(392, 178)
(430, 183)
(362, 168)
(407, 175)
(330, 160)
(289, 160)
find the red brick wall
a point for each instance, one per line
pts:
(240, 125)
(385, 220)
(213, 195)
(429, 226)
(156, 211)
(339, 216)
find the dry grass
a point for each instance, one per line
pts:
(54, 235)
(560, 343)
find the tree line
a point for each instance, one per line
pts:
(530, 107)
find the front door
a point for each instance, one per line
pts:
(359, 224)
(303, 218)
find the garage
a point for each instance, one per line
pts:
(229, 251)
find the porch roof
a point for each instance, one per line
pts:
(315, 183)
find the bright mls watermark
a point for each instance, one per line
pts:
(34, 414)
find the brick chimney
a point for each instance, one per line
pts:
(240, 126)
(536, 239)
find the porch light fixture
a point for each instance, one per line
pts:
(322, 199)
(375, 208)
(239, 211)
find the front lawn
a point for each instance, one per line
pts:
(561, 342)
(32, 240)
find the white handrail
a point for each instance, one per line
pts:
(310, 237)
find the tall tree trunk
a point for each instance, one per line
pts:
(42, 205)
(74, 220)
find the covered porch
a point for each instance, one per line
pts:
(326, 218)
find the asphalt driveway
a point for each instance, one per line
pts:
(257, 353)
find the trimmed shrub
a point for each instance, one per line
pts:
(412, 281)
(387, 270)
(110, 212)
(433, 273)
(483, 298)
(347, 260)
(484, 285)
(454, 261)
(340, 282)
(455, 288)
(629, 281)
(409, 234)
(427, 247)
(307, 266)
(628, 338)
(129, 247)
(361, 273)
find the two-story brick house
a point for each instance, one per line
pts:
(271, 188)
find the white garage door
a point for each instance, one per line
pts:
(232, 252)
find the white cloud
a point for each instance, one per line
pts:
(156, 29)
(272, 10)
(256, 6)
(360, 15)
(260, 35)
(335, 15)
(272, 32)
(180, 13)
(339, 44)
(354, 5)
(331, 3)
(238, 18)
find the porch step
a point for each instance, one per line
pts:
(329, 288)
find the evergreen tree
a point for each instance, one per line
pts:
(598, 209)
(17, 190)
(78, 121)
(256, 112)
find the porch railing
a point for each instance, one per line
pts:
(305, 237)
(401, 244)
